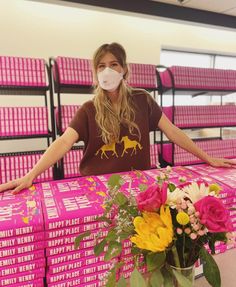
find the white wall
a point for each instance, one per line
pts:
(36, 29)
(30, 28)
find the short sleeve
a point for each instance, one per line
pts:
(155, 113)
(80, 123)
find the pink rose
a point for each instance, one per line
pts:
(213, 214)
(152, 198)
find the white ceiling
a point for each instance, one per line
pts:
(227, 7)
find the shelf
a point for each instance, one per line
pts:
(196, 93)
(23, 90)
(49, 135)
(21, 153)
(73, 89)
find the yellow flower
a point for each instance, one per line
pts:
(182, 218)
(32, 188)
(154, 231)
(214, 187)
(101, 193)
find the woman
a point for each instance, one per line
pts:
(114, 126)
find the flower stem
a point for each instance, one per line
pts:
(176, 256)
(183, 248)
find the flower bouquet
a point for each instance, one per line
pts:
(170, 226)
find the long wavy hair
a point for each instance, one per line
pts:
(108, 119)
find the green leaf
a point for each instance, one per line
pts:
(171, 187)
(114, 249)
(136, 279)
(99, 248)
(114, 181)
(124, 235)
(143, 187)
(121, 282)
(210, 268)
(182, 280)
(155, 260)
(168, 279)
(111, 236)
(120, 199)
(135, 250)
(104, 218)
(79, 238)
(111, 279)
(156, 279)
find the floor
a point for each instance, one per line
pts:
(227, 264)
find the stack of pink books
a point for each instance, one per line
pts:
(22, 261)
(215, 148)
(17, 165)
(67, 113)
(71, 208)
(71, 163)
(74, 71)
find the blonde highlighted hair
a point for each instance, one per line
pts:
(108, 119)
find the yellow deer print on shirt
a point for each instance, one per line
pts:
(130, 144)
(107, 147)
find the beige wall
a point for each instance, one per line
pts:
(41, 29)
(31, 28)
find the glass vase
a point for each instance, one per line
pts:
(187, 273)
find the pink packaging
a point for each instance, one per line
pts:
(20, 217)
(22, 278)
(25, 257)
(23, 267)
(23, 239)
(21, 249)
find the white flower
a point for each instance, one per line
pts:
(174, 196)
(168, 168)
(195, 191)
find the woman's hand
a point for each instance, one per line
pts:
(18, 184)
(222, 162)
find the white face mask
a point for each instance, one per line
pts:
(109, 79)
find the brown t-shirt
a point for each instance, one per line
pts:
(129, 153)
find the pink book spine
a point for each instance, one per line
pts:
(69, 239)
(88, 245)
(34, 283)
(2, 121)
(75, 264)
(18, 259)
(10, 281)
(97, 282)
(21, 249)
(49, 234)
(69, 256)
(24, 267)
(69, 247)
(18, 240)
(81, 272)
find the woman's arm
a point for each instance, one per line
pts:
(178, 137)
(53, 153)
